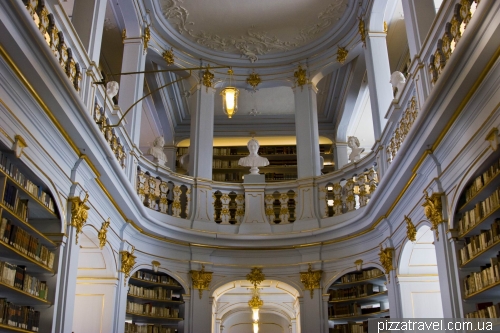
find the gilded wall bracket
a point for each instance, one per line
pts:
(386, 258)
(19, 145)
(433, 210)
(79, 213)
(411, 231)
(342, 54)
(300, 77)
(102, 233)
(311, 279)
(201, 279)
(128, 262)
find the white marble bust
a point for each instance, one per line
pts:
(253, 160)
(398, 82)
(353, 143)
(156, 151)
(112, 88)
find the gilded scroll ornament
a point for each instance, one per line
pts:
(411, 231)
(342, 54)
(256, 276)
(201, 279)
(433, 210)
(146, 38)
(300, 76)
(79, 213)
(102, 233)
(255, 302)
(128, 262)
(311, 279)
(208, 78)
(386, 256)
(168, 55)
(362, 31)
(254, 80)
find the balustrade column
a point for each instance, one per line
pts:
(306, 130)
(379, 75)
(419, 15)
(132, 86)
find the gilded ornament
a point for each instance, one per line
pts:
(253, 80)
(256, 276)
(146, 38)
(201, 279)
(102, 233)
(358, 264)
(311, 279)
(79, 213)
(208, 78)
(300, 76)
(433, 210)
(361, 30)
(255, 302)
(342, 54)
(386, 28)
(19, 145)
(168, 55)
(386, 256)
(124, 34)
(128, 262)
(411, 231)
(156, 265)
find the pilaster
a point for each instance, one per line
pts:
(200, 320)
(394, 296)
(89, 24)
(341, 156)
(170, 152)
(310, 312)
(419, 15)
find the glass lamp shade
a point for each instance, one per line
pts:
(230, 100)
(255, 327)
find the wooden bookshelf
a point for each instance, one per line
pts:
(26, 298)
(141, 282)
(13, 329)
(376, 279)
(362, 316)
(155, 300)
(374, 297)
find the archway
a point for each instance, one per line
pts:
(418, 277)
(279, 314)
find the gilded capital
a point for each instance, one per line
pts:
(128, 262)
(411, 231)
(300, 76)
(386, 257)
(342, 54)
(433, 210)
(168, 55)
(311, 279)
(256, 276)
(201, 279)
(79, 213)
(208, 78)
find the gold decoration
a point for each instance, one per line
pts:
(386, 28)
(102, 233)
(256, 276)
(361, 30)
(311, 279)
(19, 145)
(124, 34)
(255, 302)
(300, 76)
(358, 264)
(146, 38)
(253, 80)
(342, 54)
(386, 256)
(168, 55)
(208, 77)
(201, 279)
(155, 264)
(492, 137)
(411, 231)
(433, 210)
(79, 213)
(128, 262)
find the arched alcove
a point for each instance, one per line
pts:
(418, 277)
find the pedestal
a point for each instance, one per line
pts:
(254, 179)
(255, 220)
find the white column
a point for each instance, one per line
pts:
(170, 152)
(310, 312)
(88, 20)
(293, 326)
(306, 130)
(131, 86)
(394, 297)
(419, 15)
(324, 318)
(341, 156)
(379, 74)
(201, 313)
(202, 134)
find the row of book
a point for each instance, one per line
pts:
(359, 276)
(481, 180)
(13, 171)
(361, 290)
(12, 200)
(228, 177)
(134, 328)
(485, 310)
(23, 317)
(280, 176)
(489, 274)
(154, 293)
(147, 309)
(478, 243)
(352, 309)
(351, 327)
(156, 278)
(218, 164)
(472, 217)
(16, 276)
(22, 241)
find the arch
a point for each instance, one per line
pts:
(377, 14)
(93, 261)
(346, 270)
(184, 284)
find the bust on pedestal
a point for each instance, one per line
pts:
(353, 143)
(156, 151)
(254, 161)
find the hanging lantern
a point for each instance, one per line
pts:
(230, 98)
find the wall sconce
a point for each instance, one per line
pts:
(156, 265)
(359, 264)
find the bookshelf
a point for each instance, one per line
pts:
(154, 303)
(354, 298)
(478, 219)
(28, 269)
(282, 162)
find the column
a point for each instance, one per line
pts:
(394, 296)
(89, 23)
(131, 86)
(324, 318)
(311, 310)
(340, 155)
(293, 326)
(170, 152)
(379, 75)
(419, 15)
(202, 134)
(201, 313)
(306, 130)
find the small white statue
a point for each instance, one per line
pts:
(156, 150)
(112, 89)
(184, 160)
(398, 82)
(353, 143)
(253, 160)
